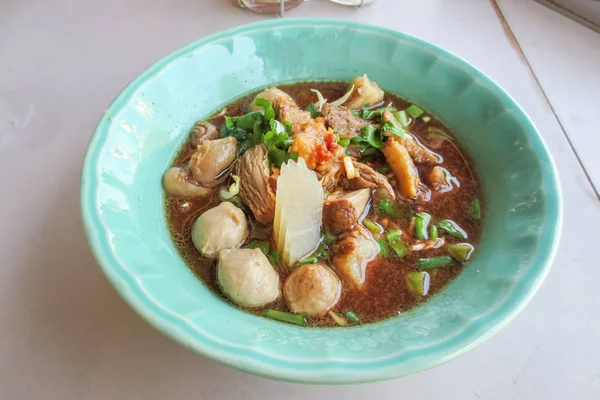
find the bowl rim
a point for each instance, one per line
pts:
(154, 318)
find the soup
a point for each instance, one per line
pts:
(323, 213)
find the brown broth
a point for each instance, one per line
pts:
(385, 293)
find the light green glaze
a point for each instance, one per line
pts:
(139, 134)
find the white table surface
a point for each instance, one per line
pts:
(66, 334)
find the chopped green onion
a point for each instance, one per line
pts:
(421, 223)
(283, 316)
(233, 190)
(316, 255)
(414, 111)
(452, 228)
(369, 133)
(312, 109)
(433, 232)
(321, 251)
(329, 238)
(461, 251)
(384, 248)
(418, 282)
(236, 200)
(263, 245)
(372, 226)
(388, 208)
(343, 142)
(426, 119)
(402, 118)
(476, 210)
(435, 262)
(394, 238)
(384, 169)
(433, 131)
(352, 318)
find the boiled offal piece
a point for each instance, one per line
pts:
(286, 107)
(312, 290)
(365, 92)
(203, 131)
(177, 183)
(369, 178)
(342, 121)
(221, 227)
(403, 166)
(211, 158)
(247, 278)
(255, 190)
(342, 211)
(352, 255)
(418, 152)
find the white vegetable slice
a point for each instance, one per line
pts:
(322, 100)
(298, 211)
(345, 97)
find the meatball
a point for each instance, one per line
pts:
(221, 227)
(247, 277)
(312, 290)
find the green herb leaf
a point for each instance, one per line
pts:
(371, 114)
(369, 133)
(312, 109)
(278, 156)
(391, 128)
(269, 112)
(247, 121)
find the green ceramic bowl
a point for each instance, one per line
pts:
(139, 134)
